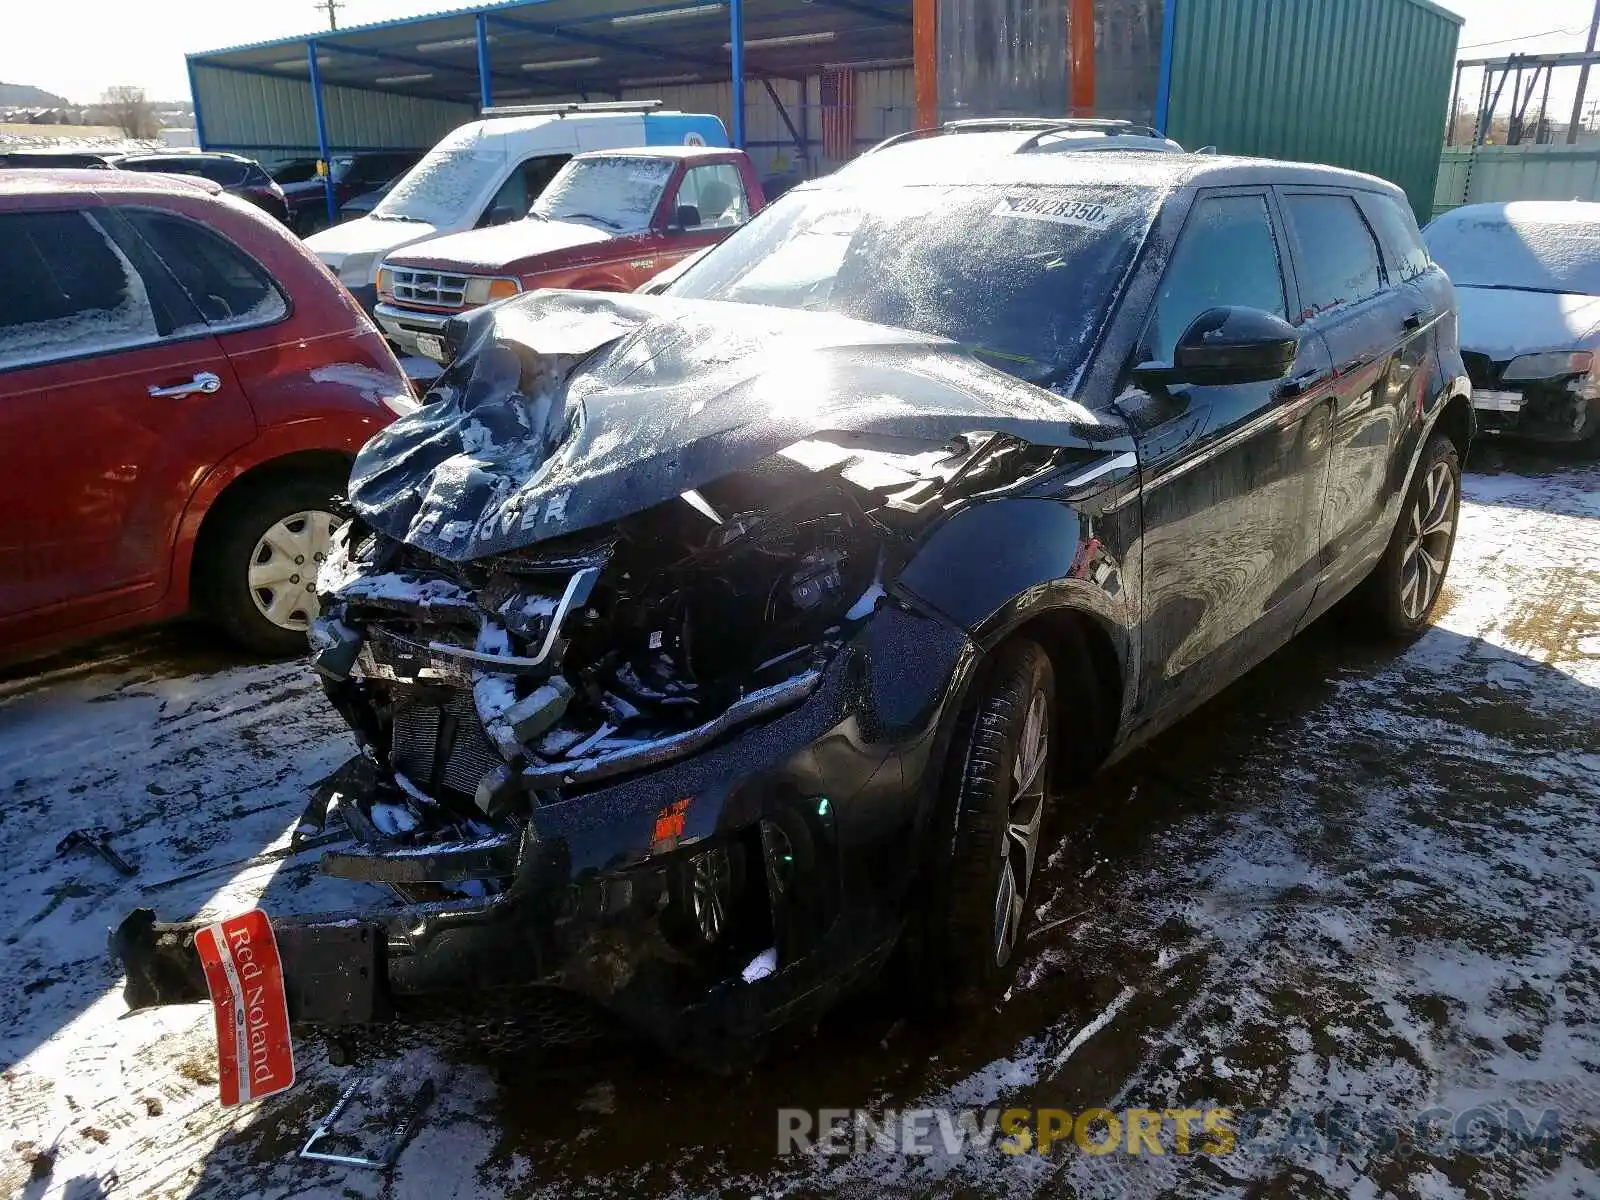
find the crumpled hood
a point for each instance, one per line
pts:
(567, 410)
(499, 245)
(1504, 324)
(366, 235)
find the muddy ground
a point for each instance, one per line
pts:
(1366, 879)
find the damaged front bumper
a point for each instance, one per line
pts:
(703, 902)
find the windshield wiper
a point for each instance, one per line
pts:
(397, 217)
(1512, 287)
(592, 217)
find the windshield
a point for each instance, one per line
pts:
(298, 171)
(444, 186)
(1021, 276)
(1502, 248)
(619, 191)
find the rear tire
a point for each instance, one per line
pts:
(1397, 598)
(1003, 767)
(257, 570)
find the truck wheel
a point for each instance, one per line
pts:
(1003, 769)
(258, 566)
(1403, 588)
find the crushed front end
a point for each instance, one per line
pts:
(644, 721)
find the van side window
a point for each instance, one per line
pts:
(716, 193)
(1337, 253)
(1403, 250)
(1226, 255)
(69, 290)
(522, 188)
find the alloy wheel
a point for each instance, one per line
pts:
(1429, 529)
(1025, 816)
(709, 894)
(284, 564)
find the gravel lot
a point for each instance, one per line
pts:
(1363, 876)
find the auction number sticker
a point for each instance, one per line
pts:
(1083, 213)
(255, 1056)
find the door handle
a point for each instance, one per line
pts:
(205, 382)
(1308, 380)
(1355, 364)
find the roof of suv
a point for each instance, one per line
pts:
(660, 152)
(997, 159)
(66, 182)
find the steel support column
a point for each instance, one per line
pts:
(1169, 37)
(322, 129)
(925, 60)
(485, 78)
(1080, 57)
(736, 43)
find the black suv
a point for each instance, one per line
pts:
(705, 648)
(243, 177)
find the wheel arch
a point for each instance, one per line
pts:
(320, 463)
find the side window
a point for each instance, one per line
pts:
(716, 193)
(228, 287)
(1226, 255)
(1338, 254)
(69, 290)
(1397, 231)
(522, 188)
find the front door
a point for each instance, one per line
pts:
(1231, 478)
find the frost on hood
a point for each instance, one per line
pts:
(1531, 245)
(112, 310)
(566, 410)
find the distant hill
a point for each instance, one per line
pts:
(24, 95)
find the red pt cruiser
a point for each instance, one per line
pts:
(182, 388)
(608, 221)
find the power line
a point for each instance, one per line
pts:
(1527, 37)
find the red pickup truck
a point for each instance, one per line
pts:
(608, 221)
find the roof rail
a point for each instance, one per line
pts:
(1039, 126)
(561, 110)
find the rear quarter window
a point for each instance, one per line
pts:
(226, 286)
(1397, 231)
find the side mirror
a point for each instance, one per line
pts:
(685, 216)
(1224, 346)
(502, 215)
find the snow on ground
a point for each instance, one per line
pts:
(1363, 876)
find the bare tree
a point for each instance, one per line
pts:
(128, 109)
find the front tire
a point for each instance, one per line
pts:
(1004, 765)
(258, 565)
(1403, 588)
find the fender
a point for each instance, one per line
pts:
(343, 434)
(1458, 387)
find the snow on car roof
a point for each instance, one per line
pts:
(1528, 245)
(57, 181)
(980, 158)
(661, 152)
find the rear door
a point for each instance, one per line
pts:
(1231, 477)
(1375, 330)
(114, 398)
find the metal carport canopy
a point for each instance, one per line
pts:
(510, 52)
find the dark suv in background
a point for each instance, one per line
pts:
(234, 173)
(352, 174)
(705, 647)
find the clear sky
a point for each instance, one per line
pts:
(77, 48)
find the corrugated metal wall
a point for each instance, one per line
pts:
(264, 114)
(1356, 83)
(1498, 173)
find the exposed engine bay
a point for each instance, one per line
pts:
(482, 685)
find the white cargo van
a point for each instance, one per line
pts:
(491, 171)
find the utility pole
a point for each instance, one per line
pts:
(332, 7)
(1583, 78)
